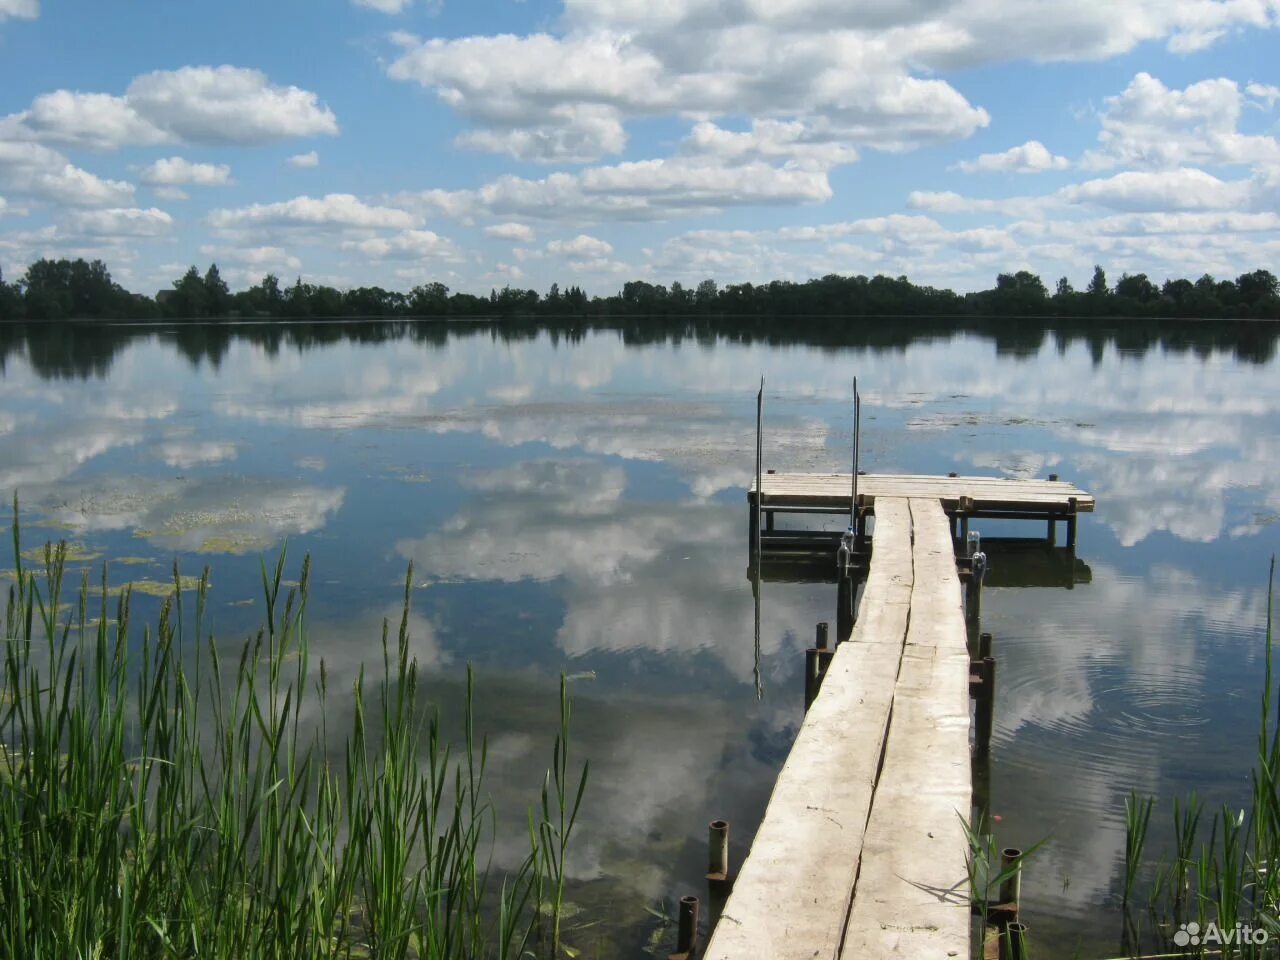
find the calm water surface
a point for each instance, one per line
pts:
(577, 505)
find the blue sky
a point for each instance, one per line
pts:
(494, 142)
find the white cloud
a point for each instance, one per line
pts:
(573, 133)
(199, 104)
(407, 245)
(335, 210)
(22, 9)
(1266, 92)
(651, 190)
(304, 161)
(1032, 157)
(1154, 127)
(580, 246)
(263, 258)
(555, 98)
(771, 140)
(39, 171)
(99, 121)
(948, 201)
(74, 187)
(385, 6)
(520, 232)
(1182, 189)
(175, 171)
(124, 222)
(228, 105)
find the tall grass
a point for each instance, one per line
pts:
(158, 801)
(1226, 878)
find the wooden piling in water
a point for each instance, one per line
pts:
(985, 713)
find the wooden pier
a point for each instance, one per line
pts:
(862, 851)
(962, 498)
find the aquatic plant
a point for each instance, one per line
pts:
(157, 800)
(1220, 896)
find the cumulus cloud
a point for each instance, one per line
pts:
(1267, 93)
(22, 9)
(175, 171)
(335, 210)
(41, 172)
(195, 104)
(124, 222)
(520, 232)
(644, 190)
(580, 246)
(262, 258)
(407, 245)
(304, 161)
(1182, 189)
(547, 97)
(1032, 157)
(854, 75)
(1151, 126)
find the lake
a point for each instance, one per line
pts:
(572, 501)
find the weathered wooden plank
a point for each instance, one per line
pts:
(791, 899)
(912, 898)
(989, 493)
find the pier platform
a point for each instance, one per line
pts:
(962, 499)
(862, 852)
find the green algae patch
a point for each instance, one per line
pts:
(157, 588)
(76, 553)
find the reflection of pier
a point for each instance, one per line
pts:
(1011, 562)
(862, 852)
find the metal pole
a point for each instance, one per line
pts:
(759, 467)
(857, 425)
(687, 936)
(758, 583)
(718, 851)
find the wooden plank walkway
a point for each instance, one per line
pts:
(861, 853)
(817, 491)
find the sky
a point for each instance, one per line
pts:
(486, 143)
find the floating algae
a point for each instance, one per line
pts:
(76, 553)
(157, 588)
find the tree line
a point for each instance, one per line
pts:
(74, 289)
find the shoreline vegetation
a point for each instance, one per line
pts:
(79, 289)
(158, 800)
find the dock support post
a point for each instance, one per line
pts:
(985, 714)
(1052, 533)
(687, 935)
(845, 591)
(1072, 510)
(1011, 888)
(718, 885)
(816, 660)
(718, 851)
(810, 678)
(984, 646)
(973, 599)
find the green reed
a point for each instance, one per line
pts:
(1226, 879)
(158, 801)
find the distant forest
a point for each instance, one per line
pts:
(78, 289)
